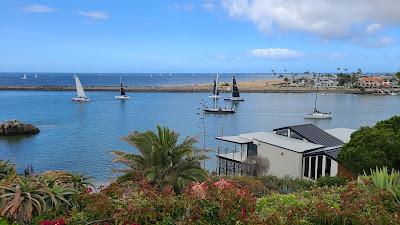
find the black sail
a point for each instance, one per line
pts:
(235, 90)
(214, 87)
(122, 90)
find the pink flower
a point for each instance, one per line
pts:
(223, 184)
(199, 189)
(89, 190)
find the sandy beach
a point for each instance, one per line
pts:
(255, 86)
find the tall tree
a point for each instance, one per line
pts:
(161, 159)
(372, 147)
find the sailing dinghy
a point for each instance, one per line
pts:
(81, 96)
(235, 92)
(122, 94)
(215, 91)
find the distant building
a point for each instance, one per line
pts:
(302, 151)
(326, 82)
(375, 82)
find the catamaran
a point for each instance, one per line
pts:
(81, 96)
(317, 114)
(215, 91)
(122, 95)
(235, 92)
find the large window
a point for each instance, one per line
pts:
(306, 166)
(319, 167)
(328, 166)
(313, 167)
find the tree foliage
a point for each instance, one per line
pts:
(372, 147)
(162, 160)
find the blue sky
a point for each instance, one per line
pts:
(199, 36)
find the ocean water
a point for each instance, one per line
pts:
(130, 79)
(79, 137)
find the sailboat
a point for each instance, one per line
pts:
(218, 110)
(215, 91)
(317, 114)
(235, 92)
(24, 77)
(80, 92)
(122, 95)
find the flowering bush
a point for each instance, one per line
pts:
(53, 222)
(351, 204)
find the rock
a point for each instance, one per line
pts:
(15, 127)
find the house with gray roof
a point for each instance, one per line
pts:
(301, 151)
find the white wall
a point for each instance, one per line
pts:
(334, 168)
(282, 162)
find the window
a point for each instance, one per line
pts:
(294, 135)
(319, 167)
(306, 166)
(328, 167)
(283, 132)
(313, 167)
(251, 150)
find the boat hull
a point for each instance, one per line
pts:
(214, 96)
(80, 99)
(319, 116)
(122, 97)
(219, 111)
(234, 99)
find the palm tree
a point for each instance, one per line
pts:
(22, 199)
(161, 160)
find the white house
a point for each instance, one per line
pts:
(302, 151)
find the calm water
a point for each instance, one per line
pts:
(79, 137)
(112, 79)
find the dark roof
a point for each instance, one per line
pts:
(314, 134)
(332, 152)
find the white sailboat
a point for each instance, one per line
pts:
(24, 77)
(215, 91)
(235, 92)
(317, 114)
(81, 96)
(122, 95)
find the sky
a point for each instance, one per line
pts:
(199, 36)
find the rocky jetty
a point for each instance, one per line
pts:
(15, 127)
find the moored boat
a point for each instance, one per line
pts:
(122, 95)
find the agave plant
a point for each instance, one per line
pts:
(384, 179)
(7, 172)
(57, 195)
(78, 182)
(22, 199)
(161, 159)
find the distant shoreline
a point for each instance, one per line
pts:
(188, 88)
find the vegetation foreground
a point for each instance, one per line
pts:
(165, 184)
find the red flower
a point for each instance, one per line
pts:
(244, 213)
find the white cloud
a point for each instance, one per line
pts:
(325, 18)
(182, 7)
(275, 53)
(373, 27)
(208, 5)
(98, 15)
(39, 9)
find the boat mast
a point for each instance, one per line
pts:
(316, 96)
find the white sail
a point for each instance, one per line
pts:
(79, 88)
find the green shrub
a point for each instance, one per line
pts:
(351, 204)
(331, 181)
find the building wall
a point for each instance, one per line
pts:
(282, 162)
